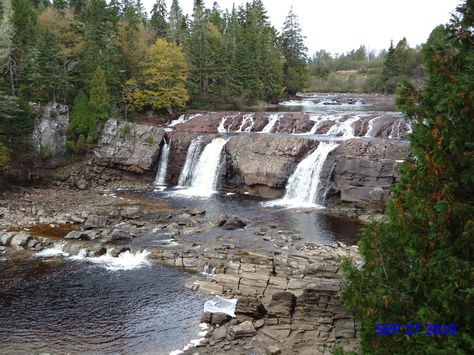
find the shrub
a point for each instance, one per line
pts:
(45, 152)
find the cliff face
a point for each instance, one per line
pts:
(50, 129)
(128, 146)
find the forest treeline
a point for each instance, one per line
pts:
(361, 70)
(108, 57)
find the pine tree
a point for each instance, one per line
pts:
(7, 32)
(295, 54)
(419, 264)
(176, 24)
(82, 125)
(158, 21)
(99, 100)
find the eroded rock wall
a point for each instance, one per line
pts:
(129, 146)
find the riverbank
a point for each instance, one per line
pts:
(297, 286)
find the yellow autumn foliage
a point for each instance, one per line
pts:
(162, 79)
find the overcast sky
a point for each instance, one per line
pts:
(341, 25)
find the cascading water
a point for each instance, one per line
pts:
(247, 122)
(221, 128)
(183, 118)
(371, 127)
(191, 159)
(343, 129)
(163, 165)
(206, 172)
(396, 130)
(303, 187)
(272, 120)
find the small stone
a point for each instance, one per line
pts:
(259, 323)
(20, 240)
(6, 238)
(80, 235)
(220, 333)
(273, 350)
(243, 330)
(81, 184)
(197, 212)
(120, 235)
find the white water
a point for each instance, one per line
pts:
(396, 130)
(191, 158)
(247, 122)
(272, 120)
(206, 172)
(56, 250)
(125, 261)
(343, 129)
(302, 189)
(221, 128)
(183, 118)
(371, 127)
(221, 305)
(163, 166)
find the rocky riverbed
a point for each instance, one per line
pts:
(288, 296)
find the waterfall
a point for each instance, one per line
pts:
(221, 128)
(317, 120)
(371, 127)
(343, 129)
(191, 159)
(163, 165)
(271, 123)
(303, 187)
(247, 120)
(206, 172)
(183, 118)
(396, 130)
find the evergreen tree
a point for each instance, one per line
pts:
(176, 24)
(7, 32)
(99, 100)
(82, 125)
(418, 265)
(295, 54)
(158, 21)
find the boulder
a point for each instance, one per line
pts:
(197, 212)
(220, 333)
(80, 235)
(129, 146)
(242, 330)
(96, 221)
(81, 184)
(119, 250)
(130, 212)
(5, 238)
(20, 240)
(233, 223)
(118, 235)
(216, 318)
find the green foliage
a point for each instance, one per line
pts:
(83, 124)
(418, 265)
(125, 131)
(294, 52)
(158, 20)
(99, 101)
(45, 152)
(149, 140)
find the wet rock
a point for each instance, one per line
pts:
(233, 223)
(197, 212)
(20, 240)
(216, 318)
(80, 235)
(119, 250)
(249, 306)
(221, 219)
(96, 221)
(118, 235)
(32, 243)
(5, 238)
(98, 250)
(243, 330)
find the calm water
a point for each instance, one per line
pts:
(62, 306)
(311, 225)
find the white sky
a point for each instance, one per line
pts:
(341, 25)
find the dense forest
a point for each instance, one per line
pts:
(111, 57)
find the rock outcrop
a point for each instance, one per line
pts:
(129, 146)
(50, 128)
(362, 172)
(261, 164)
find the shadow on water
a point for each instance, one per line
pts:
(62, 306)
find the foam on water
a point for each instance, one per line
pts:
(125, 261)
(221, 305)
